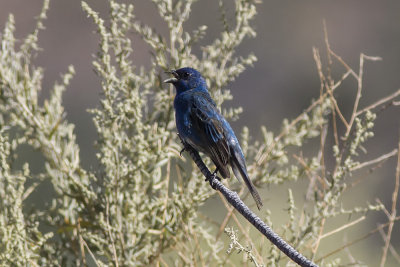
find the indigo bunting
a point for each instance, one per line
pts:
(201, 125)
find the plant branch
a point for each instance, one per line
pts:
(392, 216)
(375, 161)
(234, 199)
(348, 244)
(380, 102)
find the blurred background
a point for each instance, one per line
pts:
(280, 85)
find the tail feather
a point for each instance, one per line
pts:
(240, 171)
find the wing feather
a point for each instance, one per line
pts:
(206, 117)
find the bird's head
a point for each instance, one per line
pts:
(186, 79)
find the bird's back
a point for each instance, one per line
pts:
(202, 126)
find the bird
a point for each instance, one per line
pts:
(201, 125)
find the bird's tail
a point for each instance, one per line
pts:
(240, 171)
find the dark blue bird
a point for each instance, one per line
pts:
(201, 125)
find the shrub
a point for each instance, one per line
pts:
(141, 206)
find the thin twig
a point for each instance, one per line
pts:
(387, 213)
(372, 169)
(227, 217)
(90, 252)
(347, 251)
(393, 211)
(343, 227)
(328, 48)
(321, 152)
(375, 161)
(339, 58)
(331, 83)
(224, 223)
(318, 62)
(242, 230)
(110, 234)
(310, 174)
(358, 96)
(29, 190)
(162, 261)
(334, 126)
(355, 241)
(262, 156)
(321, 229)
(197, 245)
(380, 102)
(336, 107)
(392, 250)
(81, 245)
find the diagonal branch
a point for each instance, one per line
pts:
(234, 199)
(380, 102)
(392, 216)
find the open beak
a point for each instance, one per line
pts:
(174, 79)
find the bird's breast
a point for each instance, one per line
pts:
(182, 116)
(184, 124)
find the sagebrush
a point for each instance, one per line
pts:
(141, 206)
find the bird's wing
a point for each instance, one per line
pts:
(206, 117)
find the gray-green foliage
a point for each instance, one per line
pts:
(21, 240)
(141, 206)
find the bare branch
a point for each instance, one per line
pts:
(392, 249)
(393, 211)
(343, 227)
(375, 161)
(380, 102)
(348, 244)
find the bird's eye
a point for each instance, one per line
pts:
(186, 75)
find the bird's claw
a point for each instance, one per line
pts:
(212, 181)
(183, 150)
(183, 143)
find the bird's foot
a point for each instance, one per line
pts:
(183, 150)
(184, 145)
(215, 172)
(211, 179)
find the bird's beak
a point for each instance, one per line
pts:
(174, 79)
